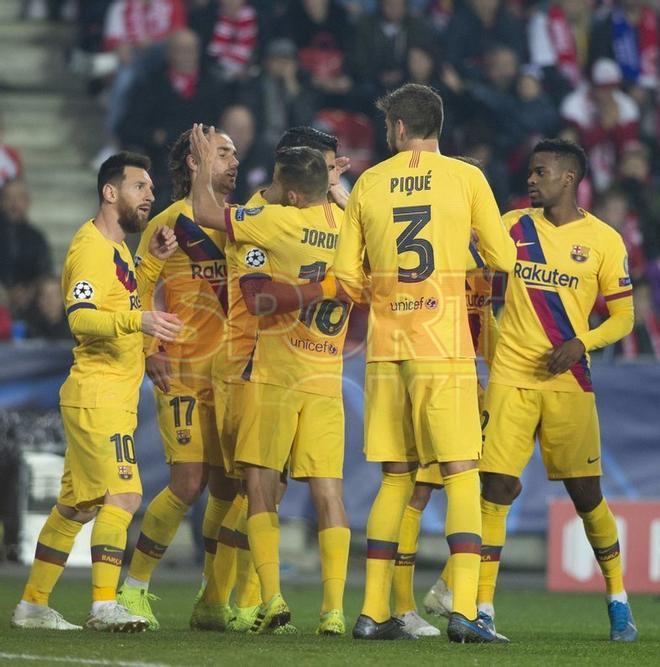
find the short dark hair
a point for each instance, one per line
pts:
(419, 107)
(304, 170)
(112, 170)
(565, 149)
(303, 135)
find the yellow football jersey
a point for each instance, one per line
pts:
(550, 293)
(193, 285)
(240, 333)
(108, 363)
(414, 214)
(300, 350)
(478, 299)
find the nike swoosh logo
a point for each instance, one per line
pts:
(520, 244)
(593, 460)
(194, 243)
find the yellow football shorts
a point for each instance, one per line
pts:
(278, 423)
(430, 475)
(188, 427)
(100, 455)
(422, 411)
(565, 422)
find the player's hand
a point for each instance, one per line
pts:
(164, 326)
(342, 165)
(565, 356)
(163, 243)
(203, 146)
(159, 370)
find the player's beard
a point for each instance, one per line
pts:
(224, 185)
(129, 219)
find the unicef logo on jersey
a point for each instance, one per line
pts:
(83, 290)
(255, 258)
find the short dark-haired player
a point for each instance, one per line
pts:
(101, 289)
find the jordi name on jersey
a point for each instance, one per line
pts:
(319, 239)
(535, 275)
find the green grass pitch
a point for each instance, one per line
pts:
(545, 629)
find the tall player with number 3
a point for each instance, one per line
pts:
(413, 214)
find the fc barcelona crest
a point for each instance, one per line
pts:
(183, 436)
(580, 253)
(125, 472)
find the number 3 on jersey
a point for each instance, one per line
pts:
(417, 217)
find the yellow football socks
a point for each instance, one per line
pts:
(216, 510)
(108, 545)
(600, 526)
(161, 521)
(334, 544)
(493, 518)
(463, 532)
(404, 564)
(53, 547)
(222, 577)
(264, 536)
(248, 587)
(383, 528)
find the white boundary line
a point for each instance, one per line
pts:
(79, 661)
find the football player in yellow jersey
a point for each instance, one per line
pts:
(228, 366)
(192, 285)
(414, 214)
(483, 329)
(101, 291)
(294, 373)
(540, 381)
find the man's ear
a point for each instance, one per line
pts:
(110, 193)
(292, 198)
(191, 162)
(400, 130)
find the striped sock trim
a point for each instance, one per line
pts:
(241, 540)
(607, 553)
(210, 545)
(227, 536)
(106, 553)
(405, 560)
(464, 543)
(490, 554)
(382, 550)
(49, 555)
(150, 548)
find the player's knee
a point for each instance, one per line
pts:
(221, 486)
(188, 490)
(500, 489)
(585, 492)
(129, 502)
(398, 468)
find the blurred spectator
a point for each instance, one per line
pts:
(634, 179)
(168, 102)
(24, 250)
(323, 34)
(281, 95)
(380, 50)
(613, 207)
(46, 318)
(476, 28)
(628, 34)
(255, 158)
(605, 117)
(645, 336)
(558, 37)
(11, 165)
(136, 31)
(25, 255)
(234, 42)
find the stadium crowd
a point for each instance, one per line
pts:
(509, 71)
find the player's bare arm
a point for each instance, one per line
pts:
(206, 210)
